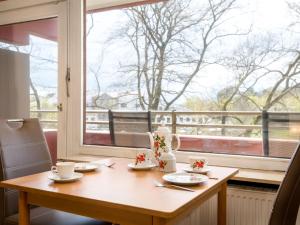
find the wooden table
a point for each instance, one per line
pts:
(120, 195)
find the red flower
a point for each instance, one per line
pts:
(162, 164)
(198, 164)
(140, 158)
(156, 144)
(157, 154)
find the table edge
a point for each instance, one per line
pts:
(162, 214)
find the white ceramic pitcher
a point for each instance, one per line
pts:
(161, 142)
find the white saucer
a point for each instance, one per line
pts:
(85, 167)
(56, 178)
(203, 171)
(185, 178)
(146, 167)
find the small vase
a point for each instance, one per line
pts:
(167, 162)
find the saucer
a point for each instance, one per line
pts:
(146, 167)
(203, 171)
(85, 167)
(185, 178)
(58, 179)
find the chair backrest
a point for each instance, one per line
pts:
(129, 129)
(23, 151)
(276, 123)
(286, 206)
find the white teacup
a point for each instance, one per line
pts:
(197, 163)
(143, 158)
(64, 170)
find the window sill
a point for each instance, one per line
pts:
(260, 176)
(247, 175)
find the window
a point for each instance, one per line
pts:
(31, 91)
(33, 64)
(29, 72)
(223, 71)
(197, 115)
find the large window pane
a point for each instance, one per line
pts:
(211, 71)
(29, 72)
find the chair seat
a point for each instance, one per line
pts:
(45, 216)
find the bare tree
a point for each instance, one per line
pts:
(295, 9)
(33, 52)
(246, 63)
(36, 97)
(172, 42)
(259, 61)
(280, 66)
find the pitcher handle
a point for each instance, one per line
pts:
(178, 142)
(151, 140)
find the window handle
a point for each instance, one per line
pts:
(60, 107)
(68, 79)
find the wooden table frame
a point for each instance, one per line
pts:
(112, 212)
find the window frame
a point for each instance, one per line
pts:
(18, 11)
(75, 116)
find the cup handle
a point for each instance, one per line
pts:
(54, 169)
(178, 142)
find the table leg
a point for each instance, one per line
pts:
(222, 201)
(24, 212)
(158, 221)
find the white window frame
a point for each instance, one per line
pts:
(17, 11)
(102, 4)
(75, 144)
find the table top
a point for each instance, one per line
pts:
(121, 187)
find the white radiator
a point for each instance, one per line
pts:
(245, 206)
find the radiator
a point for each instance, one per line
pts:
(245, 206)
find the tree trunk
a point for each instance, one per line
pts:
(37, 99)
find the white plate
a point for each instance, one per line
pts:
(56, 178)
(203, 171)
(185, 178)
(85, 167)
(146, 167)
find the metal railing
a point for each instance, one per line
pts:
(213, 122)
(175, 120)
(179, 120)
(43, 112)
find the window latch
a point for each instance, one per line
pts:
(60, 107)
(68, 79)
